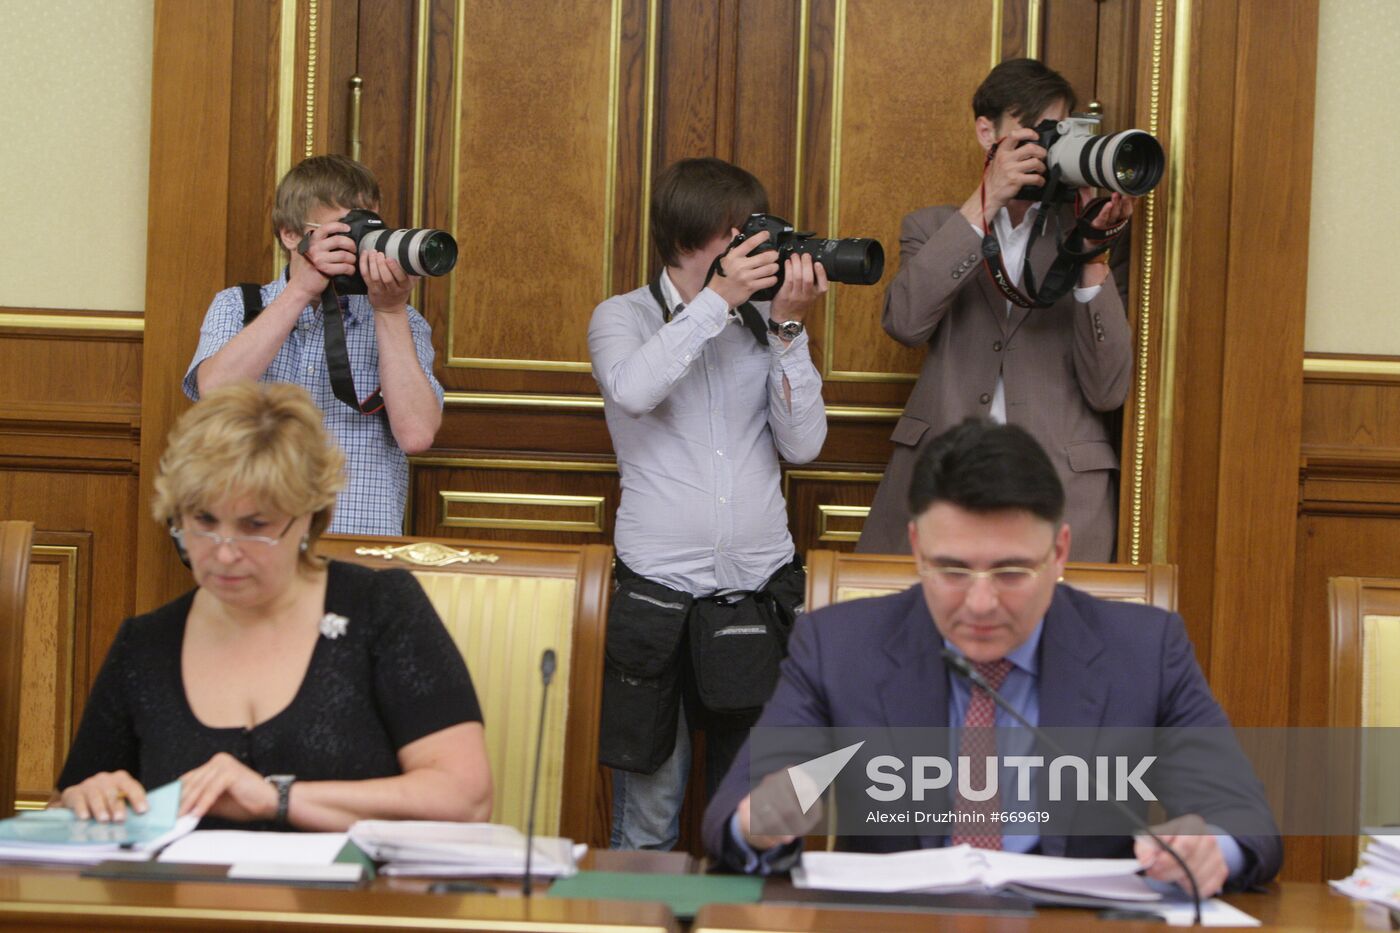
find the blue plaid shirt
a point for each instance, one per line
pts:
(376, 480)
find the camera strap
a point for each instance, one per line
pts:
(338, 360)
(747, 312)
(1072, 252)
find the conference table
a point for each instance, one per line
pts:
(41, 898)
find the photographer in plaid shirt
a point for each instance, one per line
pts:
(388, 343)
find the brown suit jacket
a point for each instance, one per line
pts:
(1062, 367)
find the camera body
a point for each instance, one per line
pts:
(421, 251)
(853, 261)
(1130, 162)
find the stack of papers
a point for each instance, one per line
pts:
(461, 850)
(57, 835)
(1104, 883)
(1377, 878)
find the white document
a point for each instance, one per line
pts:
(232, 846)
(92, 854)
(1214, 913)
(460, 849)
(946, 869)
(340, 873)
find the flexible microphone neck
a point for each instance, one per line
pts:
(960, 666)
(547, 664)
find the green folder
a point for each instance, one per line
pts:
(684, 894)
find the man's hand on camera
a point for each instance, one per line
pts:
(741, 272)
(389, 285)
(328, 253)
(1118, 209)
(771, 815)
(804, 281)
(1019, 161)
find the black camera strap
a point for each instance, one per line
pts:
(747, 312)
(1072, 252)
(338, 360)
(337, 357)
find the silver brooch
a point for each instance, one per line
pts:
(333, 626)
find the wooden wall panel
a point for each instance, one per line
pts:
(553, 501)
(56, 624)
(900, 139)
(252, 142)
(57, 366)
(536, 109)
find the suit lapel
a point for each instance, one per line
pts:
(1042, 254)
(1072, 693)
(914, 693)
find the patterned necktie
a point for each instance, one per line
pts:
(979, 741)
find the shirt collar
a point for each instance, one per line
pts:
(1025, 656)
(672, 296)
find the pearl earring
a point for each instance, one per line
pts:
(305, 543)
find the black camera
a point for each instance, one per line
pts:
(853, 261)
(420, 251)
(1130, 162)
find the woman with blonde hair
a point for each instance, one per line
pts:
(285, 691)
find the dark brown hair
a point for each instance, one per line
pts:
(695, 200)
(982, 467)
(1022, 88)
(322, 180)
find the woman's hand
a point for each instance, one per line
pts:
(225, 787)
(103, 797)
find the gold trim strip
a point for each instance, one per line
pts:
(862, 413)
(996, 33)
(286, 102)
(523, 400)
(24, 803)
(420, 113)
(312, 22)
(610, 186)
(133, 325)
(428, 554)
(1369, 366)
(459, 38)
(593, 504)
(67, 909)
(1176, 206)
(1145, 296)
(827, 512)
(69, 571)
(553, 366)
(835, 476)
(804, 38)
(648, 134)
(1032, 28)
(487, 463)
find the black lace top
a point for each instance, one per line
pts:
(392, 677)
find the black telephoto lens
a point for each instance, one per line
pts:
(854, 260)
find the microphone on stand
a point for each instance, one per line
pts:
(964, 669)
(547, 663)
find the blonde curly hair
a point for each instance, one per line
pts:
(264, 440)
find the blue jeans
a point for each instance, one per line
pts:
(647, 807)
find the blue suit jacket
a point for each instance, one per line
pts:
(878, 662)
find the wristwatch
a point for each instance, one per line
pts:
(283, 783)
(788, 330)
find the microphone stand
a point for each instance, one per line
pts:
(966, 671)
(546, 675)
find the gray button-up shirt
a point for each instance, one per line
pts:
(698, 416)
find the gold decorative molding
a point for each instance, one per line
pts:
(648, 142)
(523, 400)
(826, 513)
(862, 413)
(1145, 298)
(488, 463)
(65, 557)
(103, 322)
(286, 101)
(804, 38)
(453, 361)
(830, 476)
(1033, 17)
(312, 27)
(1318, 368)
(428, 554)
(593, 505)
(996, 34)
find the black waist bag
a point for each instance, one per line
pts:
(641, 676)
(737, 642)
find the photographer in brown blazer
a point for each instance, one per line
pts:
(1054, 371)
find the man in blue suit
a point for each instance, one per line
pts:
(990, 543)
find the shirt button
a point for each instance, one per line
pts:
(310, 370)
(719, 453)
(686, 358)
(997, 346)
(984, 398)
(721, 500)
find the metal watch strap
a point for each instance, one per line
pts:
(788, 330)
(283, 783)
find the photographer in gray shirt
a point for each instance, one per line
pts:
(702, 391)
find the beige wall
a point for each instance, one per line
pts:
(75, 127)
(1355, 237)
